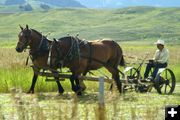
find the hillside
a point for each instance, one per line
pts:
(128, 24)
(30, 5)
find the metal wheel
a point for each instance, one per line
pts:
(133, 75)
(165, 82)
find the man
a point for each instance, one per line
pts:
(160, 60)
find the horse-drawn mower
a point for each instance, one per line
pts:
(164, 82)
(131, 78)
(83, 56)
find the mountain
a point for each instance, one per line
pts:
(62, 3)
(128, 3)
(14, 2)
(29, 5)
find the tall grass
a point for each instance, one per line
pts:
(67, 107)
(14, 73)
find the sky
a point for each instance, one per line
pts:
(126, 3)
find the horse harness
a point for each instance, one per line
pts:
(42, 49)
(90, 58)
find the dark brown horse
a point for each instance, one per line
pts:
(80, 57)
(39, 50)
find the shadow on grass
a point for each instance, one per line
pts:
(85, 98)
(88, 97)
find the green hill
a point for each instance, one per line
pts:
(128, 24)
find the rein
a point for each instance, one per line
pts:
(73, 51)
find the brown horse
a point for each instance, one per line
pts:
(82, 56)
(39, 50)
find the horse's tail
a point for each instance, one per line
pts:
(122, 62)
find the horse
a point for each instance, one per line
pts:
(39, 51)
(82, 56)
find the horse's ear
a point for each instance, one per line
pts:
(21, 27)
(27, 27)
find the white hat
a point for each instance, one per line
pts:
(159, 42)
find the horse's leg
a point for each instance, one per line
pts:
(60, 88)
(76, 88)
(79, 89)
(31, 90)
(81, 83)
(115, 76)
(73, 86)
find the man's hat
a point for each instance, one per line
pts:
(161, 42)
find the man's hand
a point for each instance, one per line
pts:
(151, 61)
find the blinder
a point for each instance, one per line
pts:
(27, 39)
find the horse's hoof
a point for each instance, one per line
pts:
(76, 88)
(79, 93)
(30, 92)
(61, 92)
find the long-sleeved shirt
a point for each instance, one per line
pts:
(161, 56)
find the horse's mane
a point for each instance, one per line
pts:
(41, 35)
(71, 38)
(36, 32)
(65, 38)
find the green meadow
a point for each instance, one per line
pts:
(127, 24)
(135, 29)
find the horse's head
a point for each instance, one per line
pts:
(24, 39)
(55, 54)
(62, 52)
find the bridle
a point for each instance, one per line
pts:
(26, 43)
(27, 40)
